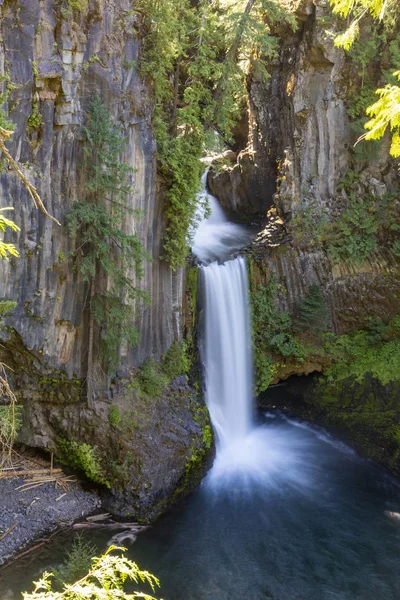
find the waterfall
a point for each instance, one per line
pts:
(226, 348)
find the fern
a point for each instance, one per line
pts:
(105, 580)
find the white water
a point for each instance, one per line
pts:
(226, 349)
(216, 237)
(247, 454)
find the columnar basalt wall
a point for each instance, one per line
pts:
(58, 59)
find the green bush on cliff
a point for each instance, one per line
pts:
(150, 379)
(353, 236)
(272, 333)
(312, 312)
(176, 361)
(365, 224)
(356, 356)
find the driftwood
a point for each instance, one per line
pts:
(95, 518)
(9, 530)
(112, 525)
(27, 473)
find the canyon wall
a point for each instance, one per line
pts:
(57, 59)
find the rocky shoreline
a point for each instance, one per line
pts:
(28, 516)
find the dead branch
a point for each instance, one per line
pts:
(37, 201)
(9, 530)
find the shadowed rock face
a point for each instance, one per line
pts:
(58, 62)
(300, 141)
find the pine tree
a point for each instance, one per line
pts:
(108, 258)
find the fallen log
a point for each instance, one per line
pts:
(113, 525)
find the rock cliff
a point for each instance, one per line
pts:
(58, 55)
(333, 213)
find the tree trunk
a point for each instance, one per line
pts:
(90, 366)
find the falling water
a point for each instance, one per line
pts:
(226, 352)
(226, 349)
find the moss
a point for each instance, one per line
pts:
(114, 416)
(77, 4)
(82, 457)
(35, 118)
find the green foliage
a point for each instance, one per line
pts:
(5, 307)
(312, 312)
(196, 56)
(176, 361)
(307, 224)
(10, 423)
(365, 224)
(272, 333)
(7, 249)
(105, 580)
(35, 118)
(83, 457)
(150, 379)
(353, 237)
(108, 258)
(384, 113)
(114, 416)
(360, 388)
(80, 5)
(375, 351)
(396, 248)
(8, 87)
(77, 563)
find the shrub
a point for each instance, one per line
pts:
(104, 581)
(77, 564)
(82, 457)
(150, 380)
(176, 362)
(313, 313)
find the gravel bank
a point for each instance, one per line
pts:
(38, 512)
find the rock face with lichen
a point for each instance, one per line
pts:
(57, 59)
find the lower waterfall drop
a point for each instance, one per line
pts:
(226, 350)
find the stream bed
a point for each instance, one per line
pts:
(291, 514)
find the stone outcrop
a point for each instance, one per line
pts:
(58, 59)
(58, 65)
(301, 139)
